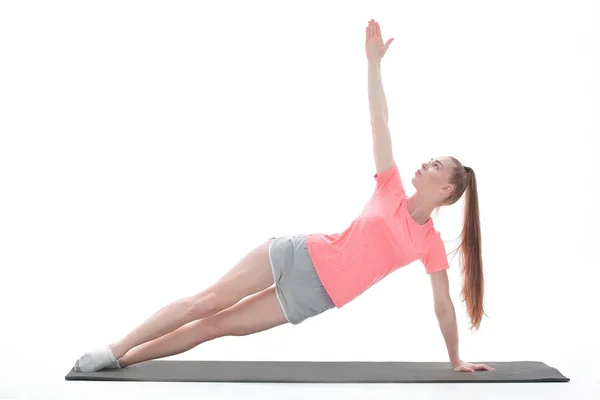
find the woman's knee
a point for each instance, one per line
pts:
(220, 325)
(210, 302)
(206, 304)
(208, 329)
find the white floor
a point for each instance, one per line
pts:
(46, 381)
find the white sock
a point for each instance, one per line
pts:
(96, 360)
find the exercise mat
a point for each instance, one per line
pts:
(321, 372)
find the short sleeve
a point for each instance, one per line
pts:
(389, 181)
(435, 260)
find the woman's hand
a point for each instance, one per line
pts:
(374, 46)
(463, 366)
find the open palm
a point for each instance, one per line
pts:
(464, 366)
(374, 46)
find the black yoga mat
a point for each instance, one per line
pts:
(321, 372)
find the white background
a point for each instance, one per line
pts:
(146, 147)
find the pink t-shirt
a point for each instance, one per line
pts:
(383, 238)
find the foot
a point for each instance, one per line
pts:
(96, 360)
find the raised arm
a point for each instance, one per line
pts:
(377, 101)
(382, 141)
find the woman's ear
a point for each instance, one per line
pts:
(447, 189)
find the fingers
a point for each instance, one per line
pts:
(483, 367)
(475, 367)
(372, 29)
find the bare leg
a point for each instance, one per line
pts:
(254, 314)
(250, 275)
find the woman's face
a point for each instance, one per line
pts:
(434, 176)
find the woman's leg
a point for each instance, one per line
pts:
(250, 275)
(254, 314)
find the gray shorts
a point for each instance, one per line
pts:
(297, 285)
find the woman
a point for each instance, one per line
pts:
(289, 279)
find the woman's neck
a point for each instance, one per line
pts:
(419, 210)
